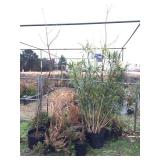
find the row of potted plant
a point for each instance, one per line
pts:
(99, 94)
(59, 135)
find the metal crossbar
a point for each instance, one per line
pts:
(68, 48)
(79, 23)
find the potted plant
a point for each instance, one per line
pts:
(99, 92)
(116, 127)
(34, 138)
(91, 101)
(78, 138)
(55, 136)
(80, 147)
(37, 132)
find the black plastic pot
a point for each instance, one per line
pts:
(32, 139)
(130, 111)
(96, 140)
(80, 148)
(107, 133)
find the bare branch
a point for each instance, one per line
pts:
(51, 30)
(108, 10)
(54, 37)
(42, 40)
(46, 30)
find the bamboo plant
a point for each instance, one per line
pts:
(99, 97)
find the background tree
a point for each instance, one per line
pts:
(62, 63)
(29, 61)
(46, 64)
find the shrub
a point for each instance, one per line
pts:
(43, 120)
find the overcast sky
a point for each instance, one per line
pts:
(61, 11)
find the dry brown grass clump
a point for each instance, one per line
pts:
(63, 101)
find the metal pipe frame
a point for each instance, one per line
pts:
(131, 35)
(84, 23)
(69, 49)
(80, 23)
(123, 47)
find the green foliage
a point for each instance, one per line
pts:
(42, 119)
(76, 133)
(70, 150)
(99, 88)
(39, 148)
(120, 147)
(24, 129)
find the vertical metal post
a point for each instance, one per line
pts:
(38, 84)
(40, 90)
(47, 105)
(61, 76)
(41, 79)
(41, 61)
(135, 117)
(135, 113)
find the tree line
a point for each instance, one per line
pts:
(29, 61)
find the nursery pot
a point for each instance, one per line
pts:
(130, 110)
(96, 140)
(32, 139)
(80, 148)
(107, 133)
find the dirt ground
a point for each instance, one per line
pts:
(28, 111)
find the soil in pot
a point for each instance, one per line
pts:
(96, 140)
(33, 139)
(80, 148)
